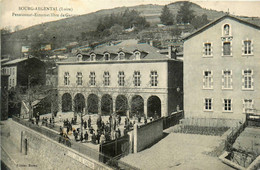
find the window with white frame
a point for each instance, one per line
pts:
(79, 78)
(247, 79)
(208, 104)
(207, 49)
(154, 78)
(107, 56)
(121, 78)
(227, 48)
(92, 77)
(137, 55)
(66, 78)
(227, 79)
(227, 105)
(247, 48)
(137, 78)
(121, 56)
(106, 78)
(207, 79)
(248, 106)
(93, 57)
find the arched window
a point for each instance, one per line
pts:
(226, 29)
(106, 56)
(137, 55)
(92, 57)
(121, 56)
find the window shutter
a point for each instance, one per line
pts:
(231, 79)
(243, 79)
(231, 51)
(212, 49)
(203, 49)
(253, 104)
(203, 78)
(243, 47)
(252, 79)
(244, 105)
(231, 104)
(223, 79)
(252, 47)
(212, 102)
(223, 104)
(222, 49)
(204, 103)
(212, 81)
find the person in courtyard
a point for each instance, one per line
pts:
(85, 124)
(119, 119)
(98, 138)
(145, 120)
(61, 130)
(94, 138)
(102, 138)
(89, 122)
(91, 130)
(86, 136)
(81, 137)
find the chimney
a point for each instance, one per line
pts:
(151, 42)
(172, 52)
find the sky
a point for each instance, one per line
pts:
(11, 10)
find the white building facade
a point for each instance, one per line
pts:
(222, 70)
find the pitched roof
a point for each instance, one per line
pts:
(217, 21)
(152, 52)
(15, 61)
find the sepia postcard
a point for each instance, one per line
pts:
(130, 84)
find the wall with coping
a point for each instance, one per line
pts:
(147, 135)
(48, 153)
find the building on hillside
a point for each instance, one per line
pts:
(24, 72)
(222, 70)
(124, 78)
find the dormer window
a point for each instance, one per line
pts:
(79, 57)
(121, 56)
(92, 57)
(106, 56)
(137, 55)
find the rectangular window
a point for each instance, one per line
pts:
(247, 79)
(106, 78)
(247, 49)
(208, 49)
(137, 78)
(226, 48)
(154, 78)
(79, 78)
(227, 105)
(248, 106)
(208, 80)
(66, 78)
(208, 104)
(121, 78)
(92, 77)
(227, 79)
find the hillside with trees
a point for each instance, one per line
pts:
(105, 25)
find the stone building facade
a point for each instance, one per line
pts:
(132, 78)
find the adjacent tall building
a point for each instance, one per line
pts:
(222, 70)
(132, 78)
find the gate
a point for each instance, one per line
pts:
(115, 148)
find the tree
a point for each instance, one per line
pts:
(185, 13)
(176, 32)
(199, 21)
(166, 16)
